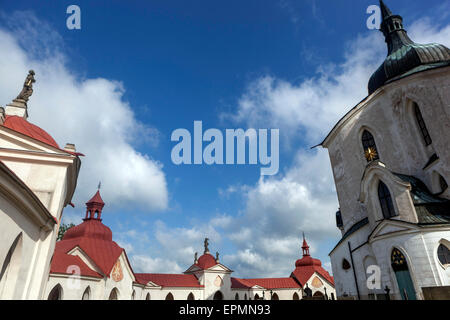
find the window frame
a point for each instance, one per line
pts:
(368, 141)
(422, 125)
(386, 202)
(447, 258)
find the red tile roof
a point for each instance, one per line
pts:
(304, 273)
(61, 262)
(206, 261)
(95, 239)
(169, 280)
(274, 283)
(237, 283)
(21, 125)
(96, 198)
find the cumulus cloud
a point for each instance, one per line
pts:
(266, 234)
(303, 198)
(90, 112)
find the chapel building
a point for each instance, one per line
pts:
(390, 157)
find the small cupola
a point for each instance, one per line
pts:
(94, 207)
(305, 247)
(404, 57)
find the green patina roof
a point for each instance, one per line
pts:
(405, 57)
(430, 208)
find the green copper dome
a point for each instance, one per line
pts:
(405, 57)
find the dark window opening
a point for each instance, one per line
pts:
(444, 254)
(387, 206)
(345, 264)
(339, 222)
(443, 183)
(370, 148)
(422, 125)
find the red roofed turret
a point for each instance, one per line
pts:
(94, 207)
(306, 266)
(305, 247)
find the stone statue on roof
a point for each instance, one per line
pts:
(206, 244)
(27, 90)
(217, 257)
(196, 257)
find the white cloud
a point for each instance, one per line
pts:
(303, 198)
(266, 234)
(146, 264)
(88, 112)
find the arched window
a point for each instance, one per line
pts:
(318, 295)
(133, 295)
(387, 206)
(370, 148)
(339, 222)
(191, 296)
(275, 296)
(218, 296)
(295, 296)
(443, 255)
(169, 296)
(9, 273)
(256, 296)
(114, 295)
(56, 293)
(422, 126)
(147, 297)
(86, 294)
(443, 184)
(345, 264)
(245, 297)
(236, 297)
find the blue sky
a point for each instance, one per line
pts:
(138, 70)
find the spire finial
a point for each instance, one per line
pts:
(99, 185)
(385, 11)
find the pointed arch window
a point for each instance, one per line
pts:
(370, 148)
(86, 294)
(444, 255)
(422, 125)
(387, 206)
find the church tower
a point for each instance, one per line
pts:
(391, 164)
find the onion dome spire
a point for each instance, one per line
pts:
(305, 247)
(405, 57)
(94, 207)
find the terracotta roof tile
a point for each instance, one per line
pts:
(169, 280)
(61, 262)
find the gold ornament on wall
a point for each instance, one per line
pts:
(371, 154)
